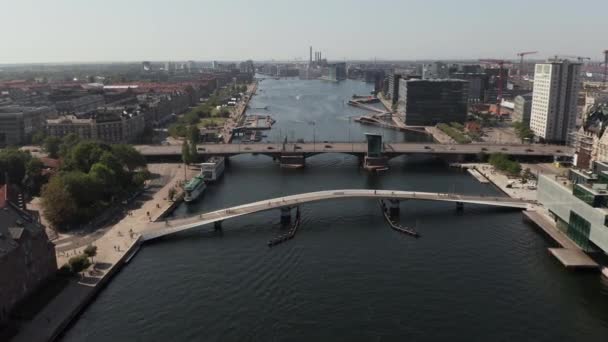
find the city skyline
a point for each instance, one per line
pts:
(69, 31)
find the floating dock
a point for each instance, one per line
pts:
(477, 175)
(570, 254)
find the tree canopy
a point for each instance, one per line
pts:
(93, 176)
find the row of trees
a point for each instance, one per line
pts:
(454, 133)
(80, 262)
(209, 110)
(503, 163)
(93, 176)
(523, 131)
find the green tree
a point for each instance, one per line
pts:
(83, 188)
(193, 153)
(67, 143)
(522, 131)
(38, 138)
(90, 251)
(177, 130)
(52, 146)
(129, 156)
(84, 155)
(186, 158)
(193, 135)
(58, 204)
(105, 176)
(34, 178)
(13, 163)
(79, 263)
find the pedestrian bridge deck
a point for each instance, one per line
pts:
(168, 227)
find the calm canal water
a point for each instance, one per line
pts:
(482, 275)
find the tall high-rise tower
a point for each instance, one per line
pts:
(554, 99)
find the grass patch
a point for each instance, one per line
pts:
(211, 122)
(454, 133)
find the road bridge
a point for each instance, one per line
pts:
(296, 153)
(160, 229)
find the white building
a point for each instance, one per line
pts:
(554, 100)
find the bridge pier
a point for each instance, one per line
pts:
(394, 208)
(459, 207)
(292, 160)
(374, 164)
(217, 226)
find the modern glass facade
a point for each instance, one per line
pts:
(585, 224)
(578, 231)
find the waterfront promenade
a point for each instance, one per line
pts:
(569, 254)
(237, 115)
(114, 244)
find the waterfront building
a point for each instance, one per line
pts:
(522, 109)
(554, 101)
(109, 126)
(579, 206)
(27, 257)
(435, 70)
(247, 67)
(477, 84)
(336, 71)
(393, 87)
(429, 102)
(19, 123)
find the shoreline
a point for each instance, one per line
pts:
(568, 253)
(53, 320)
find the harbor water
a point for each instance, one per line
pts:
(481, 274)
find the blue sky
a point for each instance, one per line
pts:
(134, 30)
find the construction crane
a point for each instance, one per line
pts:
(521, 59)
(501, 63)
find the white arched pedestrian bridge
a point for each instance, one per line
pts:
(160, 229)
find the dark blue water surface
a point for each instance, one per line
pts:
(483, 275)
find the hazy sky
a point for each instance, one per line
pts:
(134, 30)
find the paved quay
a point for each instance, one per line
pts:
(114, 246)
(569, 254)
(525, 191)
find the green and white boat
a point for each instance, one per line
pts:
(194, 188)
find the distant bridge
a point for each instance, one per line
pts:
(160, 229)
(294, 154)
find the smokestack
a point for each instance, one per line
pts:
(310, 58)
(320, 58)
